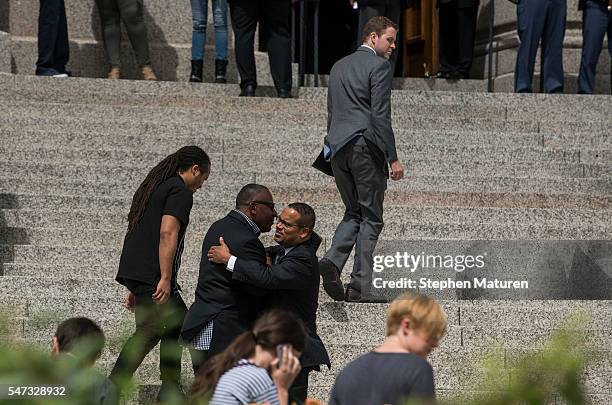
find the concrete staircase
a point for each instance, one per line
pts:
(480, 166)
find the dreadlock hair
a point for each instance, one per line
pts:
(273, 328)
(177, 162)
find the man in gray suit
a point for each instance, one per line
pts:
(359, 147)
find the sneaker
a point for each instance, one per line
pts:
(60, 75)
(148, 74)
(331, 279)
(114, 74)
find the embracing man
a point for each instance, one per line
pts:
(224, 307)
(293, 274)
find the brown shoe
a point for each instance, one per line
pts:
(114, 74)
(147, 73)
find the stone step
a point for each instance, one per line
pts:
(419, 163)
(226, 138)
(203, 216)
(93, 237)
(445, 191)
(289, 117)
(419, 200)
(87, 230)
(226, 105)
(370, 331)
(520, 105)
(116, 161)
(596, 133)
(45, 127)
(543, 314)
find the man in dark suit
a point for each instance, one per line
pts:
(596, 22)
(275, 15)
(293, 274)
(224, 307)
(359, 145)
(540, 20)
(457, 30)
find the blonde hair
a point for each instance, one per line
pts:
(425, 315)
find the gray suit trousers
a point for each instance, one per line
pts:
(362, 184)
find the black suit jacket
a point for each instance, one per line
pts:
(295, 281)
(231, 304)
(461, 3)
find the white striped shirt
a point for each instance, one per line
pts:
(245, 383)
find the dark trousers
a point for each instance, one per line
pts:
(545, 20)
(53, 46)
(298, 392)
(132, 14)
(154, 323)
(596, 22)
(198, 357)
(391, 11)
(362, 182)
(457, 30)
(276, 17)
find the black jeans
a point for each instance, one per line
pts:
(457, 31)
(276, 16)
(154, 323)
(53, 46)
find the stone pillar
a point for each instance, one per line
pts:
(505, 45)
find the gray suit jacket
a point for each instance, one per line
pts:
(359, 102)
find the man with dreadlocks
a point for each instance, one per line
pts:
(150, 261)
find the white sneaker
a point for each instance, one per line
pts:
(60, 75)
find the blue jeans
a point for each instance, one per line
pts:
(199, 12)
(596, 21)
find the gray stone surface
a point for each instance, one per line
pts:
(5, 51)
(497, 166)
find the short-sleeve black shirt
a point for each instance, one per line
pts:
(140, 255)
(383, 378)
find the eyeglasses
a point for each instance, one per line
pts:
(289, 225)
(268, 204)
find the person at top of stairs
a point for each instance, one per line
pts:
(53, 47)
(131, 12)
(199, 12)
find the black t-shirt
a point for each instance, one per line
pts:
(140, 255)
(383, 378)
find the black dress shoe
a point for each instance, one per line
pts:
(353, 295)
(442, 75)
(248, 91)
(331, 279)
(284, 93)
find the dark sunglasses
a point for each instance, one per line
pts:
(268, 204)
